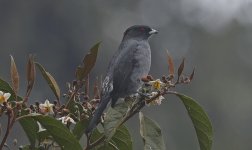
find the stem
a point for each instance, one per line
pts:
(25, 99)
(87, 86)
(78, 87)
(138, 107)
(132, 113)
(97, 142)
(171, 92)
(58, 102)
(135, 109)
(71, 98)
(141, 104)
(11, 120)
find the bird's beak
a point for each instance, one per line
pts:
(153, 31)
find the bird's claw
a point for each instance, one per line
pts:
(145, 95)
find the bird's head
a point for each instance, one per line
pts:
(139, 32)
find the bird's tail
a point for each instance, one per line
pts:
(97, 115)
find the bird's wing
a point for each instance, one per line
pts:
(124, 67)
(114, 64)
(117, 74)
(107, 86)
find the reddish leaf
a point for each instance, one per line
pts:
(170, 64)
(30, 75)
(145, 79)
(14, 76)
(192, 74)
(87, 86)
(88, 62)
(150, 78)
(181, 68)
(96, 90)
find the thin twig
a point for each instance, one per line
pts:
(9, 125)
(72, 95)
(87, 86)
(76, 89)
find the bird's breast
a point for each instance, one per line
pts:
(141, 63)
(142, 57)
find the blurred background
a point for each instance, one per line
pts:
(215, 36)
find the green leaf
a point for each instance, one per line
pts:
(75, 108)
(88, 62)
(122, 139)
(43, 135)
(79, 128)
(50, 80)
(59, 132)
(200, 122)
(27, 147)
(151, 133)
(113, 118)
(107, 147)
(5, 87)
(31, 128)
(96, 134)
(14, 76)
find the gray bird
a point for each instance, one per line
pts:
(129, 64)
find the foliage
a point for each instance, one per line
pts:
(61, 126)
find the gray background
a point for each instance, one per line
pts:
(214, 36)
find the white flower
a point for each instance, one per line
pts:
(156, 101)
(66, 119)
(157, 84)
(4, 97)
(46, 108)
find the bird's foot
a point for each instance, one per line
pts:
(145, 95)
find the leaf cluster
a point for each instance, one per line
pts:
(45, 131)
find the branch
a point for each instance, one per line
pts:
(135, 109)
(138, 107)
(78, 87)
(9, 126)
(97, 142)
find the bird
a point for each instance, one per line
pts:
(130, 63)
